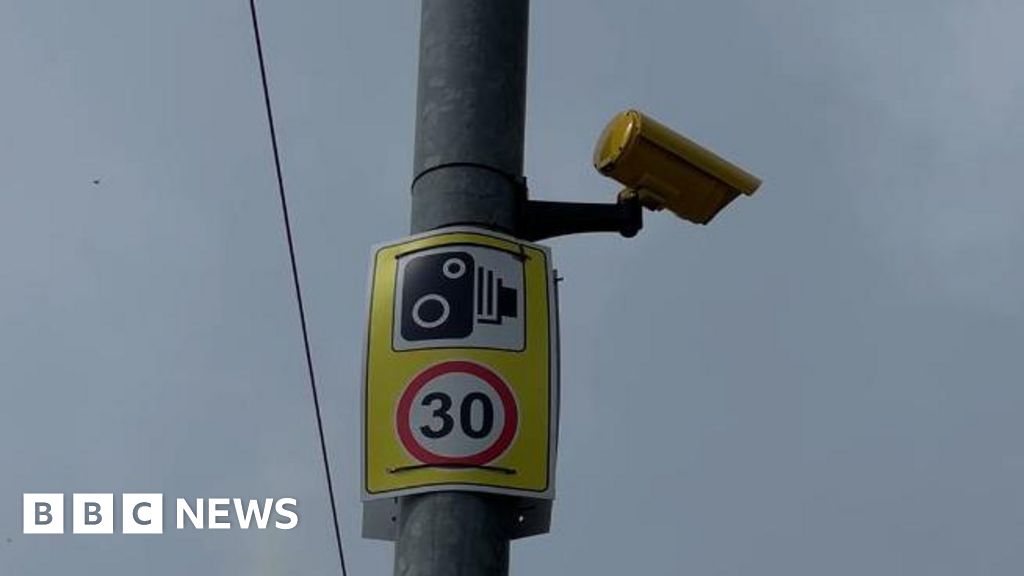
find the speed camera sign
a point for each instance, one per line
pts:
(460, 383)
(468, 296)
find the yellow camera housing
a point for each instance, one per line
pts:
(664, 169)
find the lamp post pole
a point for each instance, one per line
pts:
(468, 170)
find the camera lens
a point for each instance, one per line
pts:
(454, 268)
(430, 311)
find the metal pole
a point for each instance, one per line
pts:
(470, 114)
(470, 117)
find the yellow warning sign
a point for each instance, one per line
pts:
(460, 383)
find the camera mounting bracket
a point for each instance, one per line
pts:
(543, 219)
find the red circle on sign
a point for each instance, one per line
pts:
(485, 374)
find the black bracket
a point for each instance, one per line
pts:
(549, 219)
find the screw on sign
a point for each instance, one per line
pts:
(457, 413)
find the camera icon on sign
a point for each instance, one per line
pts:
(449, 295)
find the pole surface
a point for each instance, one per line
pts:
(468, 164)
(470, 114)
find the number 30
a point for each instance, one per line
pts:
(465, 415)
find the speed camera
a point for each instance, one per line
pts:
(664, 169)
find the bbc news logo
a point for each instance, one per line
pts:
(144, 513)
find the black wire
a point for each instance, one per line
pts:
(295, 279)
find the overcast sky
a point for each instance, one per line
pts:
(827, 380)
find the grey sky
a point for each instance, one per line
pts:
(827, 380)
